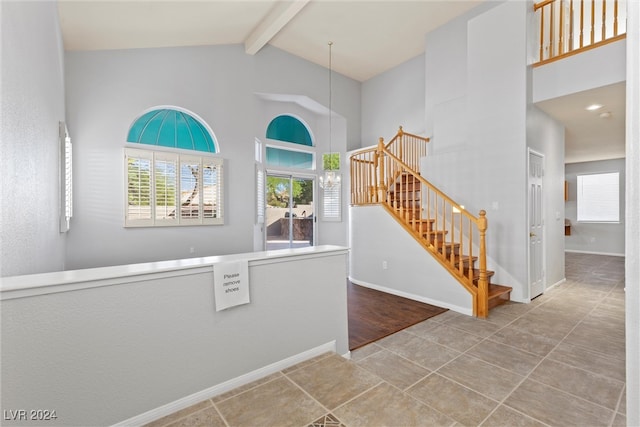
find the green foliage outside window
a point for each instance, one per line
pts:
(331, 161)
(278, 190)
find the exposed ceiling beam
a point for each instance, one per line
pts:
(279, 16)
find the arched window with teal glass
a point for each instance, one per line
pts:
(172, 187)
(289, 129)
(174, 128)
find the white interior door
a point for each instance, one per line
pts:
(536, 225)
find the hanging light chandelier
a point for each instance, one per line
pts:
(330, 178)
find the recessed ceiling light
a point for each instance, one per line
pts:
(593, 107)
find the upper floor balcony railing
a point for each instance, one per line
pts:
(571, 26)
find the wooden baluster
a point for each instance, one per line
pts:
(604, 20)
(372, 178)
(593, 21)
(401, 143)
(615, 18)
(581, 23)
(470, 249)
(353, 182)
(541, 34)
(452, 238)
(403, 207)
(570, 25)
(420, 222)
(561, 30)
(428, 189)
(551, 34)
(483, 281)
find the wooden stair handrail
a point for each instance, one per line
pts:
(380, 176)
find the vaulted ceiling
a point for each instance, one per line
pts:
(369, 37)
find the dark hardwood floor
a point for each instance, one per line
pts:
(374, 315)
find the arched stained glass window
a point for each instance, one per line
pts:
(168, 127)
(289, 129)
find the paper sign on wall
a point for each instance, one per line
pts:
(231, 284)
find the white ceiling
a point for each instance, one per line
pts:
(369, 36)
(587, 135)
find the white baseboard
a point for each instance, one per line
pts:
(226, 386)
(593, 253)
(555, 284)
(456, 308)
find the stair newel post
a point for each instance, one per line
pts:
(380, 156)
(483, 281)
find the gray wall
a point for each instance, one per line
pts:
(394, 98)
(632, 232)
(476, 101)
(107, 90)
(32, 105)
(408, 270)
(595, 237)
(546, 136)
(107, 348)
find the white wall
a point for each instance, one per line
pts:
(411, 271)
(32, 105)
(476, 101)
(392, 99)
(107, 90)
(107, 348)
(590, 69)
(632, 233)
(595, 237)
(546, 136)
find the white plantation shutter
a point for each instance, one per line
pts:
(165, 180)
(599, 197)
(190, 189)
(212, 191)
(260, 196)
(165, 188)
(138, 209)
(331, 203)
(66, 179)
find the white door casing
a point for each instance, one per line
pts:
(536, 224)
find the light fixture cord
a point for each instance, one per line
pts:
(330, 111)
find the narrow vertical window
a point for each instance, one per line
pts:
(66, 179)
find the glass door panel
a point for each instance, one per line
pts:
(290, 213)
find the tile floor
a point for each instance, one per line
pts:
(558, 361)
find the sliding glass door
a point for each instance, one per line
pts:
(290, 212)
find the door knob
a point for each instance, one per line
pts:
(532, 234)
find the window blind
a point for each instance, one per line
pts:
(599, 197)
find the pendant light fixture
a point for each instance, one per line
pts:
(330, 178)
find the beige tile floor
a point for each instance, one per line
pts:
(558, 361)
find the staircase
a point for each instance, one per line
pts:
(387, 175)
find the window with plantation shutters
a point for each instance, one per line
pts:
(331, 203)
(175, 177)
(165, 188)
